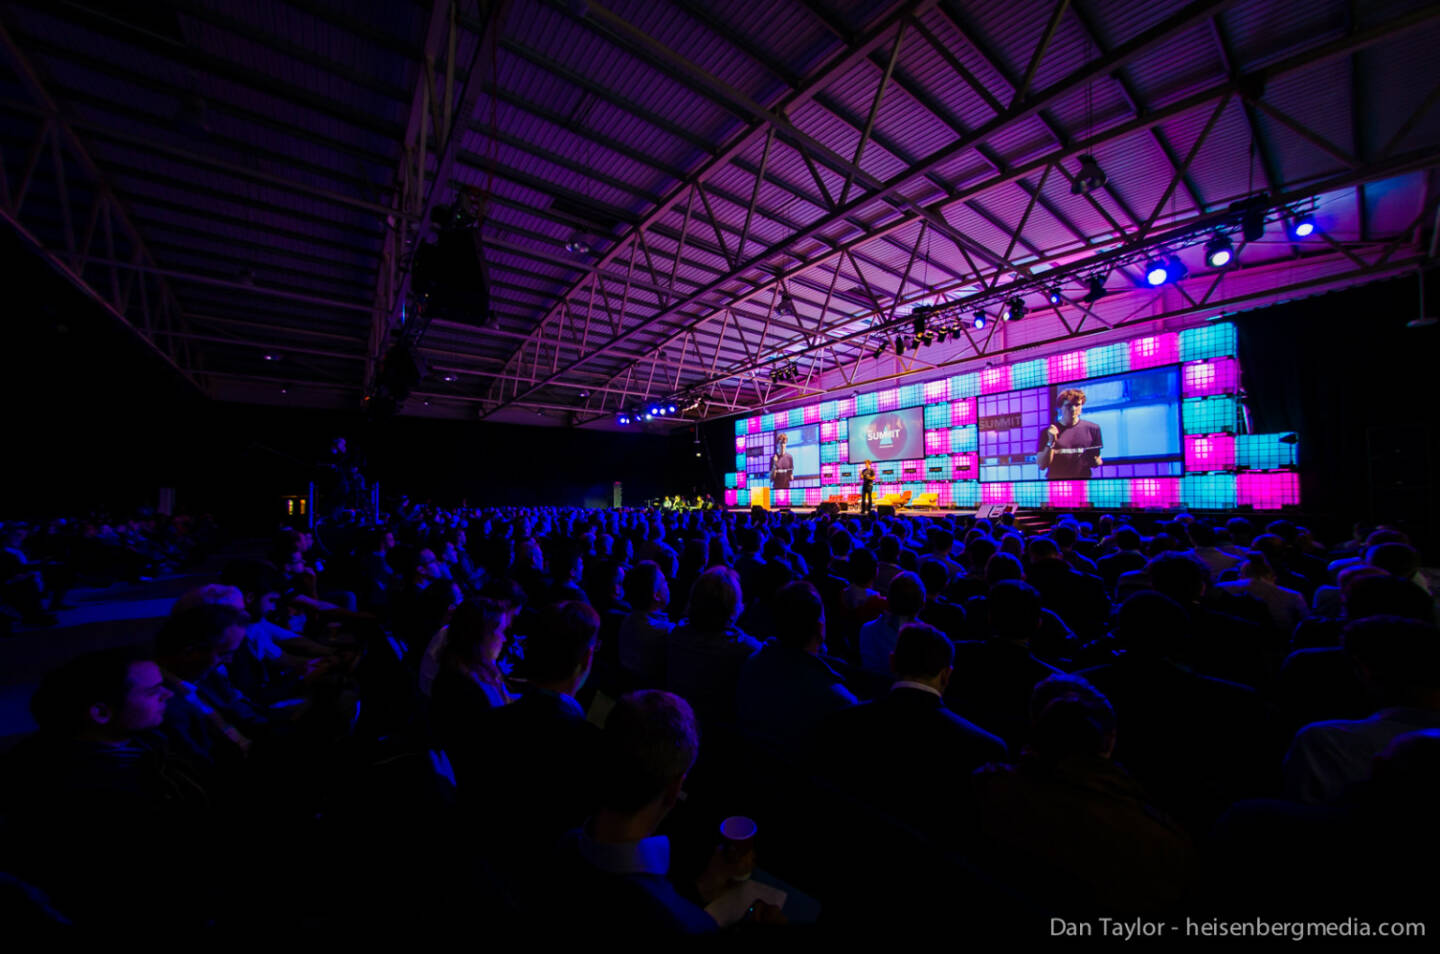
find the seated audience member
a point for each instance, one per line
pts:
(1273, 549)
(786, 689)
(1124, 559)
(1078, 600)
(1068, 824)
(1285, 608)
(1364, 591)
(1066, 537)
(994, 676)
(758, 618)
(1355, 855)
(978, 552)
(1220, 644)
(533, 766)
(906, 753)
(858, 604)
(565, 567)
(469, 682)
(706, 650)
(938, 544)
(940, 612)
(1195, 742)
(1204, 549)
(889, 562)
(93, 779)
(277, 649)
(644, 632)
(1399, 663)
(878, 637)
(188, 649)
(614, 871)
(22, 583)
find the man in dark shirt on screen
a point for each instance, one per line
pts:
(1070, 449)
(782, 465)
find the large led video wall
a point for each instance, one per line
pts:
(1149, 422)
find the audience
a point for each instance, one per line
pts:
(881, 660)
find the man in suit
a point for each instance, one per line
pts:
(532, 768)
(905, 753)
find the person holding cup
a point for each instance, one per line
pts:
(616, 867)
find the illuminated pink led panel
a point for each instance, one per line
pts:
(1154, 492)
(995, 379)
(1268, 491)
(1209, 452)
(1216, 376)
(740, 479)
(883, 489)
(911, 468)
(740, 445)
(941, 487)
(812, 495)
(1065, 367)
(830, 431)
(996, 493)
(732, 498)
(845, 453)
(829, 473)
(1067, 493)
(937, 442)
(779, 498)
(812, 414)
(847, 407)
(937, 391)
(962, 412)
(753, 425)
(965, 466)
(1154, 351)
(888, 400)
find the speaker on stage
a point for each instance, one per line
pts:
(885, 510)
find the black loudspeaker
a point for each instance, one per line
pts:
(885, 510)
(828, 507)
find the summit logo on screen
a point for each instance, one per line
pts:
(884, 433)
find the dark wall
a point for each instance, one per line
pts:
(94, 418)
(1345, 372)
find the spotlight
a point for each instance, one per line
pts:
(272, 357)
(1219, 251)
(1053, 295)
(671, 408)
(880, 348)
(448, 379)
(624, 418)
(1304, 227)
(1156, 273)
(941, 335)
(786, 305)
(1089, 178)
(1094, 290)
(1014, 309)
(577, 246)
(649, 417)
(979, 319)
(654, 409)
(899, 345)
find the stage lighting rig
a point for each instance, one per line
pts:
(1219, 251)
(978, 319)
(1014, 309)
(1090, 177)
